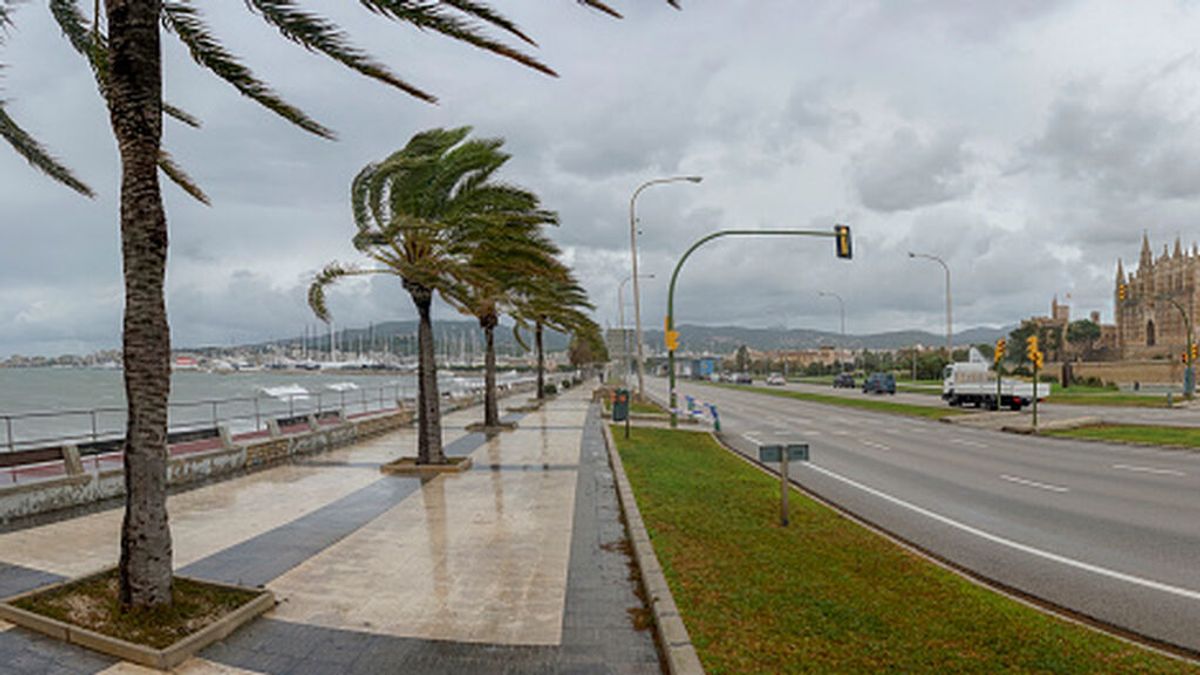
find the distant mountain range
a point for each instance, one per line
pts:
(726, 339)
(454, 336)
(464, 336)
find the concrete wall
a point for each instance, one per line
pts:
(1126, 372)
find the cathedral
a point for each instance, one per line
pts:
(1151, 303)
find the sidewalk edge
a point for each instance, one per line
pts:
(680, 655)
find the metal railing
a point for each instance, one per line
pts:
(37, 429)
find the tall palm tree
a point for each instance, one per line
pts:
(506, 261)
(122, 47)
(424, 214)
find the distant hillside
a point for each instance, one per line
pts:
(453, 336)
(726, 339)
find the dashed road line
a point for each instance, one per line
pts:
(1034, 483)
(1009, 543)
(872, 444)
(1148, 469)
(963, 441)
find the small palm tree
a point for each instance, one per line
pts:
(432, 215)
(554, 299)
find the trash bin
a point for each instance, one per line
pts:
(620, 405)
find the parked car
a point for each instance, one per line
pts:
(880, 383)
(743, 378)
(843, 381)
(776, 380)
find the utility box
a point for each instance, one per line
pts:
(620, 405)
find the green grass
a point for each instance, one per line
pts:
(872, 404)
(1184, 437)
(826, 595)
(1108, 398)
(639, 407)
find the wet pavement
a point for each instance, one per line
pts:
(514, 566)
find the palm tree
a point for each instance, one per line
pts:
(123, 49)
(553, 299)
(424, 214)
(505, 260)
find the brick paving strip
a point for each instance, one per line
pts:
(558, 451)
(680, 655)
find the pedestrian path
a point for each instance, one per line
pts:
(514, 566)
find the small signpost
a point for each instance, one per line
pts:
(782, 453)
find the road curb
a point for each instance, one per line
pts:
(673, 639)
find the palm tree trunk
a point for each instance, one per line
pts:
(135, 111)
(429, 416)
(491, 409)
(541, 359)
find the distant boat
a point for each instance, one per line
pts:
(185, 363)
(342, 386)
(293, 392)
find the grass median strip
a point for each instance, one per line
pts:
(826, 595)
(872, 404)
(1183, 437)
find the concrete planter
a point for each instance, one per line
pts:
(407, 466)
(162, 659)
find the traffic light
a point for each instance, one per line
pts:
(1038, 361)
(842, 233)
(1183, 358)
(672, 340)
(1195, 352)
(1121, 291)
(1031, 347)
(1001, 347)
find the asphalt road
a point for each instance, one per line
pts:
(1047, 410)
(1107, 531)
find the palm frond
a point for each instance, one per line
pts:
(178, 176)
(181, 115)
(321, 35)
(596, 4)
(184, 20)
(37, 155)
(487, 14)
(429, 17)
(332, 272)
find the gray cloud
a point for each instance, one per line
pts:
(931, 125)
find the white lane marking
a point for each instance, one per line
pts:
(872, 444)
(750, 437)
(973, 444)
(1034, 483)
(1149, 469)
(1024, 548)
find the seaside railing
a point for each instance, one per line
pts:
(28, 430)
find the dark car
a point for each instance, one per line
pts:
(880, 383)
(843, 381)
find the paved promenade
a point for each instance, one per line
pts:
(514, 566)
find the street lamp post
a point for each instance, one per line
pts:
(842, 308)
(624, 333)
(637, 301)
(949, 322)
(841, 232)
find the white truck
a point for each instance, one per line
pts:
(973, 383)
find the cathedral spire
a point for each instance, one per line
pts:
(1178, 253)
(1120, 272)
(1147, 259)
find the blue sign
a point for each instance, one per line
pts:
(796, 452)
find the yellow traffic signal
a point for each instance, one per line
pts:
(1121, 292)
(842, 232)
(672, 340)
(1038, 361)
(1183, 358)
(1031, 347)
(1001, 348)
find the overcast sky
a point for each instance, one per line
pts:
(1028, 143)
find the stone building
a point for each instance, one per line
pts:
(1150, 319)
